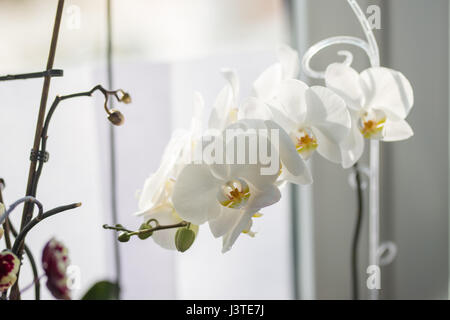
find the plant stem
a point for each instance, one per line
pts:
(48, 118)
(142, 231)
(357, 231)
(29, 254)
(22, 76)
(22, 234)
(171, 226)
(6, 227)
(28, 210)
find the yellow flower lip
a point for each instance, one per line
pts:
(371, 127)
(234, 194)
(305, 142)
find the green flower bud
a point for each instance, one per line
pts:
(184, 238)
(124, 237)
(147, 234)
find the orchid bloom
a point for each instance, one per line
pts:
(155, 201)
(379, 99)
(55, 260)
(267, 86)
(227, 195)
(225, 107)
(315, 118)
(9, 266)
(228, 111)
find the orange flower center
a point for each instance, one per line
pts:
(305, 142)
(234, 194)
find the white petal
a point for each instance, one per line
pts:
(232, 78)
(165, 216)
(254, 108)
(230, 238)
(353, 146)
(251, 173)
(267, 85)
(293, 100)
(396, 130)
(225, 222)
(259, 174)
(345, 81)
(291, 160)
(286, 176)
(387, 89)
(197, 115)
(290, 62)
(328, 113)
(327, 148)
(263, 198)
(226, 100)
(280, 117)
(154, 185)
(195, 194)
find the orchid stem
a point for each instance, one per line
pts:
(143, 231)
(29, 254)
(357, 231)
(21, 236)
(6, 223)
(49, 116)
(27, 213)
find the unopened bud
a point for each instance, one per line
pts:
(1, 232)
(124, 237)
(126, 98)
(184, 238)
(116, 117)
(147, 234)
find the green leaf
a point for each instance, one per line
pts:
(102, 290)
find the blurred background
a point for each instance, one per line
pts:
(164, 50)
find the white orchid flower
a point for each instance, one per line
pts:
(315, 118)
(293, 166)
(267, 86)
(227, 196)
(379, 100)
(225, 108)
(155, 200)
